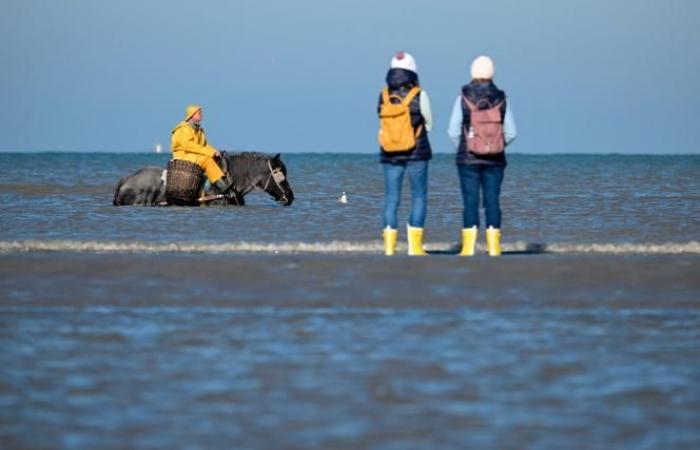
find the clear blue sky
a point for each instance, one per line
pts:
(594, 76)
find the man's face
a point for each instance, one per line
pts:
(198, 116)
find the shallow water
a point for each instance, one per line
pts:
(189, 377)
(271, 327)
(349, 351)
(546, 199)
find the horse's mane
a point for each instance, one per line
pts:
(248, 155)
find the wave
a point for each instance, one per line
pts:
(330, 247)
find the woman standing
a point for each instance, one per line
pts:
(481, 126)
(406, 119)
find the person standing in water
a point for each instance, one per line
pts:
(189, 143)
(481, 126)
(405, 120)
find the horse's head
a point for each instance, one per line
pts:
(252, 171)
(276, 183)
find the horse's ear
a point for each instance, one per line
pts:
(277, 157)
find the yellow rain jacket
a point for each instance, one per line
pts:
(190, 144)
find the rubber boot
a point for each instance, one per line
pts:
(415, 241)
(390, 235)
(468, 241)
(493, 241)
(224, 186)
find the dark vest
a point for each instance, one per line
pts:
(476, 91)
(400, 82)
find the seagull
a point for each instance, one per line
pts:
(343, 198)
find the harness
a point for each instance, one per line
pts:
(275, 175)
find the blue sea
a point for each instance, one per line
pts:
(271, 327)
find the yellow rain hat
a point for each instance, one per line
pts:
(191, 109)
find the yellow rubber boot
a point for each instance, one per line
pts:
(493, 241)
(468, 241)
(390, 235)
(415, 241)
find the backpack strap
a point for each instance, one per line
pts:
(475, 106)
(415, 90)
(385, 95)
(418, 130)
(499, 103)
(386, 98)
(471, 106)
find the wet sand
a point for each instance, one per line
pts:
(349, 351)
(346, 281)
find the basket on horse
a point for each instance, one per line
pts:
(183, 183)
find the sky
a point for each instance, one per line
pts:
(594, 76)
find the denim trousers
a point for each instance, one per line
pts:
(418, 179)
(474, 179)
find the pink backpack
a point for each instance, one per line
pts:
(485, 134)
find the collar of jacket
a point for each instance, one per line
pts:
(482, 89)
(187, 124)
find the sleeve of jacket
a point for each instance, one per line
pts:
(510, 130)
(208, 147)
(454, 131)
(184, 140)
(426, 111)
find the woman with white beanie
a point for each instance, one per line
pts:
(481, 127)
(406, 119)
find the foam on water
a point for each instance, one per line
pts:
(331, 247)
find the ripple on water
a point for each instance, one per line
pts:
(365, 377)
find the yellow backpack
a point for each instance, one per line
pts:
(396, 133)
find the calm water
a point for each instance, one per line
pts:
(271, 327)
(546, 199)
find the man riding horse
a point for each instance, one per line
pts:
(189, 143)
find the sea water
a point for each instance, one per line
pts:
(285, 327)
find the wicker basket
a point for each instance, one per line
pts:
(183, 183)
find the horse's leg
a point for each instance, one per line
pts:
(160, 197)
(142, 198)
(150, 197)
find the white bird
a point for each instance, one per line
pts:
(343, 198)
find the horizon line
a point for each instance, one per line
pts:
(317, 152)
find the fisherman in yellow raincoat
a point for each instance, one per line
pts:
(189, 143)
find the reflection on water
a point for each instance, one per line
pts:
(327, 378)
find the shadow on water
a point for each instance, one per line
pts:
(533, 248)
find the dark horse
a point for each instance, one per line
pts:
(248, 170)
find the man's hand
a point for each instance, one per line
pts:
(217, 154)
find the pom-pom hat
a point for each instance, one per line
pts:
(403, 60)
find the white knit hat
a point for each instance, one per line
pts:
(403, 60)
(482, 68)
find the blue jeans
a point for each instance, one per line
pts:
(418, 178)
(487, 179)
